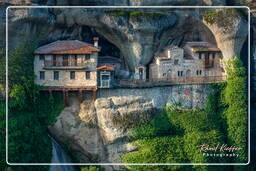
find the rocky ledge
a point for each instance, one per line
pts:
(98, 131)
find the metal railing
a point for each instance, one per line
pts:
(173, 81)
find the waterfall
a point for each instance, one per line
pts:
(59, 156)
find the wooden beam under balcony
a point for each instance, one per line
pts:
(71, 88)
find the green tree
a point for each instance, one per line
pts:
(29, 112)
(235, 97)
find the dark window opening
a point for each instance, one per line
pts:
(41, 57)
(176, 62)
(87, 57)
(200, 55)
(56, 75)
(72, 75)
(54, 60)
(87, 75)
(198, 72)
(42, 75)
(75, 62)
(180, 73)
(65, 60)
(207, 61)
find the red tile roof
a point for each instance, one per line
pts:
(202, 46)
(106, 67)
(67, 47)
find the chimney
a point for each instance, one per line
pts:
(96, 41)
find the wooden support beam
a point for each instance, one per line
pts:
(94, 95)
(65, 97)
(81, 96)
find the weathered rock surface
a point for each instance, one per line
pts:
(97, 131)
(230, 31)
(137, 34)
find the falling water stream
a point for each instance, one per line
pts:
(59, 156)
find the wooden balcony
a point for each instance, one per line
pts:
(52, 65)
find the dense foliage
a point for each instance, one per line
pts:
(235, 97)
(176, 134)
(29, 112)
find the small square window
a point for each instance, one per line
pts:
(72, 75)
(42, 75)
(56, 75)
(87, 75)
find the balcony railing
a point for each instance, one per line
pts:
(172, 81)
(65, 65)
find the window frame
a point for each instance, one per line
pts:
(87, 57)
(72, 76)
(86, 76)
(57, 74)
(41, 57)
(42, 75)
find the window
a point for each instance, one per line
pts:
(200, 55)
(75, 58)
(72, 75)
(65, 60)
(42, 75)
(41, 57)
(180, 73)
(176, 62)
(87, 57)
(87, 75)
(198, 72)
(207, 61)
(56, 75)
(54, 60)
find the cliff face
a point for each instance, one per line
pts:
(98, 131)
(136, 35)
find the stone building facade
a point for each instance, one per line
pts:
(68, 63)
(194, 61)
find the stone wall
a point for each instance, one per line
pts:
(191, 96)
(64, 75)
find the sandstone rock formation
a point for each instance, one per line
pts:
(137, 33)
(97, 132)
(230, 31)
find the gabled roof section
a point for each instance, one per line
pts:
(202, 46)
(67, 47)
(106, 67)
